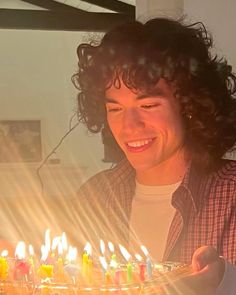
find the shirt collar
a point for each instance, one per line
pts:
(195, 184)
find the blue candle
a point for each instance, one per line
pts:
(149, 267)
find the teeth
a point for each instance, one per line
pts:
(139, 143)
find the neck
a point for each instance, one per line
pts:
(165, 173)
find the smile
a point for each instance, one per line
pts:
(139, 145)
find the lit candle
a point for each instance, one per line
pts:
(45, 271)
(31, 261)
(85, 260)
(148, 262)
(70, 267)
(49, 247)
(129, 273)
(142, 268)
(90, 270)
(4, 267)
(47, 240)
(64, 242)
(129, 266)
(117, 276)
(106, 274)
(22, 268)
(59, 272)
(102, 247)
(113, 262)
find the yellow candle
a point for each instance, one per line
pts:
(3, 268)
(90, 271)
(85, 259)
(45, 271)
(60, 274)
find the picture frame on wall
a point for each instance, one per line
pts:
(20, 141)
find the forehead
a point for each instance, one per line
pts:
(161, 89)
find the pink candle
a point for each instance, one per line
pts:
(142, 268)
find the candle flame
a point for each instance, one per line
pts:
(47, 239)
(31, 250)
(102, 247)
(20, 250)
(55, 243)
(4, 253)
(64, 241)
(111, 247)
(103, 262)
(88, 248)
(138, 257)
(145, 251)
(60, 248)
(45, 252)
(113, 264)
(125, 253)
(72, 254)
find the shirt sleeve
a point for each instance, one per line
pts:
(228, 284)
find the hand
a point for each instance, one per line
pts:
(208, 267)
(208, 271)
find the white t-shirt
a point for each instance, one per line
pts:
(151, 216)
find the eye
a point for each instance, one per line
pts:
(113, 109)
(150, 105)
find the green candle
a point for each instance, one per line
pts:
(129, 273)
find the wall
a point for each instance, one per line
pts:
(219, 18)
(35, 83)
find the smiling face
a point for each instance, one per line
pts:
(147, 126)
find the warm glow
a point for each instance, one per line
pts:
(103, 262)
(111, 247)
(4, 253)
(31, 250)
(88, 248)
(20, 250)
(113, 264)
(60, 248)
(55, 243)
(64, 241)
(72, 254)
(102, 247)
(44, 252)
(125, 253)
(145, 251)
(138, 257)
(47, 239)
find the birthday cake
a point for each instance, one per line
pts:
(60, 270)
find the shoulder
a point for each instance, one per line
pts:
(224, 182)
(107, 180)
(227, 172)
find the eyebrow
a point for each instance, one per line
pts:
(157, 92)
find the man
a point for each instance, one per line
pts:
(170, 107)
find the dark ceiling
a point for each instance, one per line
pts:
(61, 16)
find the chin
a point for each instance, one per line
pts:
(140, 166)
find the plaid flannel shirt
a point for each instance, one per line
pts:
(205, 210)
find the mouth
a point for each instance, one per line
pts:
(139, 145)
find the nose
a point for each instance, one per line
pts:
(132, 121)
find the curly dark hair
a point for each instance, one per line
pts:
(140, 54)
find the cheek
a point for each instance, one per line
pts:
(114, 126)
